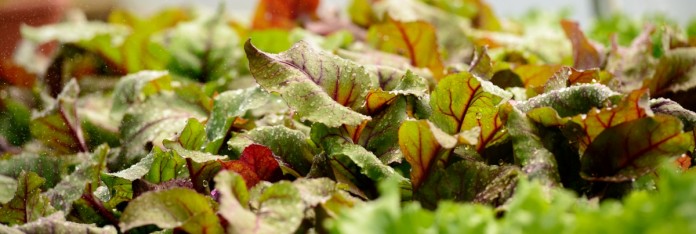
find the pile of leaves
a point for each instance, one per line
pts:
(401, 116)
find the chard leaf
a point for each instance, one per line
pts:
(8, 187)
(415, 40)
(51, 168)
(534, 77)
(675, 72)
(279, 210)
(585, 127)
(175, 208)
(634, 148)
(568, 76)
(83, 180)
(205, 49)
(380, 136)
(570, 101)
(59, 126)
(321, 87)
(468, 181)
(481, 65)
(631, 66)
(192, 137)
(231, 104)
(146, 125)
(546, 116)
(289, 145)
(528, 149)
(585, 55)
(28, 203)
(669, 107)
(462, 102)
(164, 166)
(202, 166)
(257, 163)
(422, 145)
(135, 88)
(56, 223)
(283, 14)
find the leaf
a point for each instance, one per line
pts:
(163, 166)
(192, 137)
(231, 104)
(321, 87)
(568, 76)
(257, 163)
(585, 55)
(631, 66)
(634, 148)
(174, 208)
(205, 49)
(15, 119)
(481, 65)
(283, 14)
(669, 107)
(529, 150)
(51, 168)
(8, 187)
(145, 125)
(415, 40)
(58, 126)
(289, 145)
(279, 208)
(56, 223)
(135, 88)
(462, 102)
(570, 101)
(71, 187)
(586, 127)
(422, 144)
(535, 77)
(380, 136)
(28, 203)
(674, 72)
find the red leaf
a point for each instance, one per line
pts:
(256, 163)
(283, 14)
(585, 55)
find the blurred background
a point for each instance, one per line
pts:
(38, 12)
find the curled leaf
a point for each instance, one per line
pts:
(257, 163)
(585, 55)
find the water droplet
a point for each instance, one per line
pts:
(205, 183)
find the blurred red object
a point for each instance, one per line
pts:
(14, 13)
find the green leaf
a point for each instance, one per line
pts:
(51, 168)
(173, 208)
(271, 40)
(192, 137)
(56, 223)
(85, 179)
(571, 101)
(136, 88)
(279, 208)
(72, 31)
(529, 150)
(205, 49)
(321, 87)
(146, 125)
(59, 126)
(291, 146)
(634, 148)
(380, 136)
(15, 122)
(231, 104)
(8, 187)
(675, 72)
(462, 102)
(165, 166)
(415, 40)
(481, 64)
(28, 203)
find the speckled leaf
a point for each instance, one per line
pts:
(481, 65)
(675, 72)
(231, 104)
(585, 127)
(380, 136)
(202, 166)
(135, 88)
(8, 186)
(28, 203)
(669, 107)
(585, 55)
(423, 149)
(71, 187)
(321, 87)
(53, 169)
(257, 163)
(635, 148)
(147, 124)
(568, 76)
(468, 181)
(59, 126)
(461, 102)
(528, 149)
(288, 144)
(56, 223)
(192, 137)
(415, 40)
(279, 206)
(174, 208)
(571, 101)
